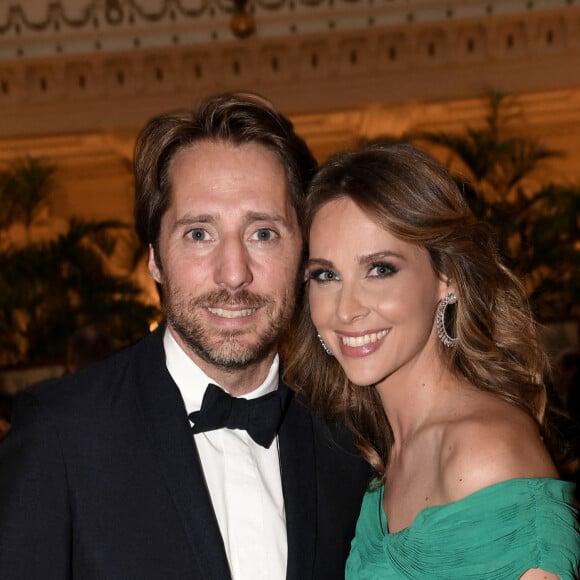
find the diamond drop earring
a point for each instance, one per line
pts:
(442, 333)
(324, 345)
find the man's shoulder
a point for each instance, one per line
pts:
(96, 381)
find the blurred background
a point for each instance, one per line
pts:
(492, 88)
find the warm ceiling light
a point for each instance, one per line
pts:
(242, 23)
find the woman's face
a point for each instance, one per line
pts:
(373, 297)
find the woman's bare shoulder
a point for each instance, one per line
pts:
(488, 444)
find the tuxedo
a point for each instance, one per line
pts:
(100, 479)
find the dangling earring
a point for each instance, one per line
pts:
(447, 340)
(324, 345)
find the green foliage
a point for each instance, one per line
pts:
(50, 288)
(25, 189)
(538, 226)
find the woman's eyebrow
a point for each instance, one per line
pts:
(375, 256)
(319, 262)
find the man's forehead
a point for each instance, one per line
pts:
(213, 175)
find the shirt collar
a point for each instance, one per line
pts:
(192, 381)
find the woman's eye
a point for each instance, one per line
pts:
(198, 235)
(323, 276)
(382, 270)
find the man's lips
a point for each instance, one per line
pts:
(232, 313)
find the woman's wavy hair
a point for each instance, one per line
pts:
(498, 349)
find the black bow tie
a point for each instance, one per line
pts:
(260, 417)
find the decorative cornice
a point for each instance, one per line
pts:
(41, 28)
(425, 60)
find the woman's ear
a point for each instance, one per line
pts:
(446, 285)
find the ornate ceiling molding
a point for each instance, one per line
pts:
(448, 50)
(36, 28)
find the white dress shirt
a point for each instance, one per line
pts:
(243, 478)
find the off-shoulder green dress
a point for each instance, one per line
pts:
(496, 533)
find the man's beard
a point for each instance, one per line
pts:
(229, 349)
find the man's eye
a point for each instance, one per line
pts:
(198, 234)
(264, 235)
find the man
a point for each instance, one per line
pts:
(126, 478)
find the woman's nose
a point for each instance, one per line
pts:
(351, 304)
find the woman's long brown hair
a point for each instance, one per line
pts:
(498, 348)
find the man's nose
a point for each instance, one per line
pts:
(232, 266)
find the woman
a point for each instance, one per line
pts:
(428, 351)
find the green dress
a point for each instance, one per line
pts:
(495, 533)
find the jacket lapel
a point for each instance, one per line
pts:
(298, 466)
(169, 434)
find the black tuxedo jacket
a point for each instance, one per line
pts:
(100, 479)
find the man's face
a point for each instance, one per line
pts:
(229, 251)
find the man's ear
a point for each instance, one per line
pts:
(152, 264)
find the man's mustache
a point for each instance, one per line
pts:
(221, 298)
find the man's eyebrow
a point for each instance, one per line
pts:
(253, 216)
(257, 216)
(188, 219)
